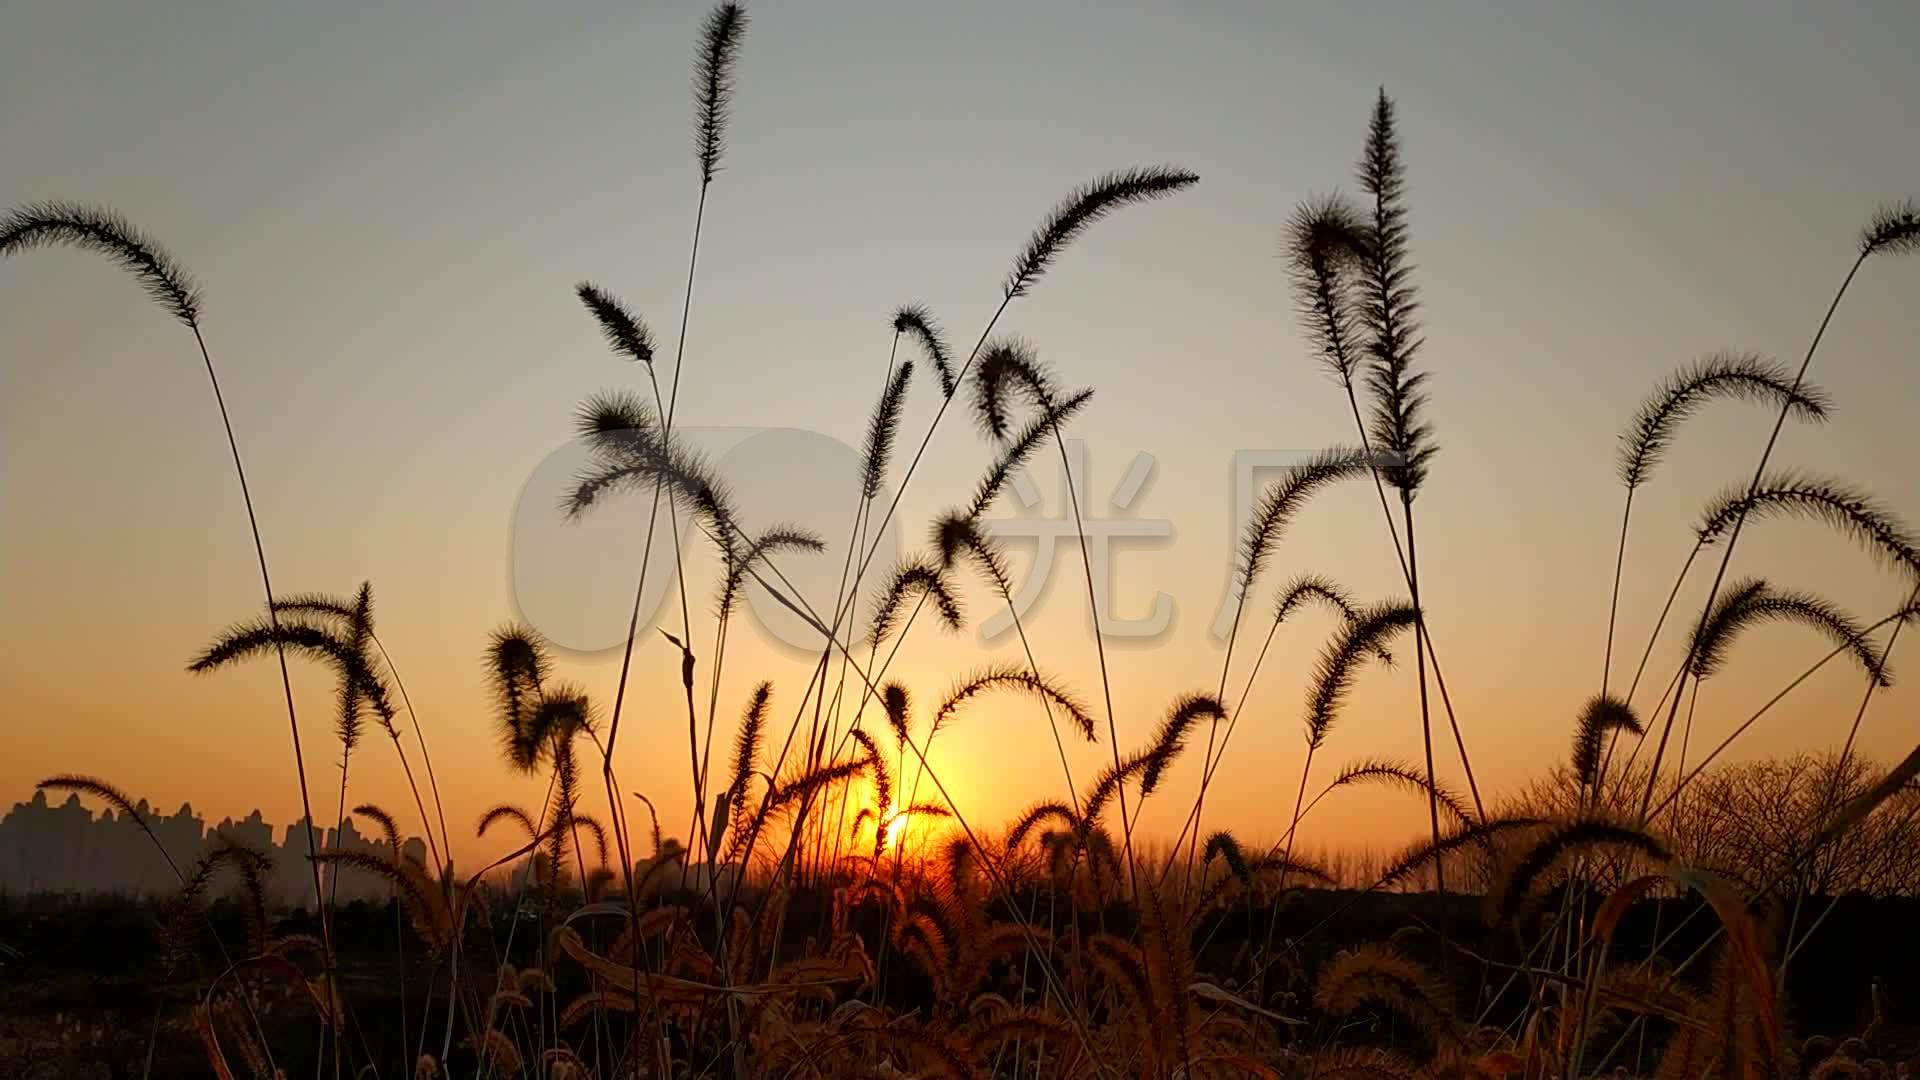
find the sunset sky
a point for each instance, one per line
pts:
(389, 206)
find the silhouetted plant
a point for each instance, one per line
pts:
(105, 232)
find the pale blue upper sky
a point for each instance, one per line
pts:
(389, 204)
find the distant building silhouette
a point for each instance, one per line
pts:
(65, 849)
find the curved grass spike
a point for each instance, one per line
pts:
(1894, 229)
(1394, 774)
(105, 232)
(1727, 376)
(1379, 974)
(882, 779)
(626, 333)
(1334, 672)
(357, 678)
(746, 754)
(1604, 714)
(356, 620)
(882, 426)
(912, 577)
(713, 83)
(956, 536)
(323, 606)
(742, 564)
(1788, 494)
(389, 829)
(167, 282)
(1031, 818)
(1080, 209)
(897, 704)
(915, 321)
(1481, 834)
(1105, 787)
(1724, 375)
(1003, 677)
(1009, 369)
(349, 657)
(1749, 602)
(1014, 453)
(1171, 737)
(1319, 587)
(1560, 841)
(1283, 500)
(1223, 845)
(1323, 244)
(116, 798)
(806, 784)
(631, 451)
(593, 828)
(507, 812)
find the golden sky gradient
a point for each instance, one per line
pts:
(389, 211)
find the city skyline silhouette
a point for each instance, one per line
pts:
(49, 847)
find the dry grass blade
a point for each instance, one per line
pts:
(1854, 810)
(1743, 934)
